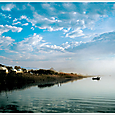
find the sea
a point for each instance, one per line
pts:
(79, 96)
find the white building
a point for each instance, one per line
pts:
(4, 68)
(19, 71)
(14, 70)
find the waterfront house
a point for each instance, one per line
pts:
(3, 70)
(16, 71)
(13, 71)
(25, 70)
(19, 71)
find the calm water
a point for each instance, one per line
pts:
(81, 96)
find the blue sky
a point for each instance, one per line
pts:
(68, 36)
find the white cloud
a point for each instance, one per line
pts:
(5, 16)
(5, 42)
(89, 35)
(32, 8)
(40, 18)
(66, 15)
(107, 36)
(37, 44)
(72, 44)
(47, 6)
(25, 24)
(6, 28)
(73, 21)
(2, 30)
(71, 18)
(8, 7)
(68, 5)
(44, 21)
(15, 19)
(54, 47)
(9, 38)
(101, 46)
(13, 28)
(16, 23)
(75, 33)
(51, 29)
(66, 45)
(23, 17)
(66, 30)
(5, 58)
(29, 44)
(32, 28)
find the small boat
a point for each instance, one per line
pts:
(96, 78)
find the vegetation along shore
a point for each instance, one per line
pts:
(17, 77)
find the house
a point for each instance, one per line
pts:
(13, 71)
(19, 71)
(16, 71)
(25, 70)
(9, 68)
(3, 70)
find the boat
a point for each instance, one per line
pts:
(96, 78)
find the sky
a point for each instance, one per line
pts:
(74, 37)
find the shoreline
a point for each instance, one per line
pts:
(13, 81)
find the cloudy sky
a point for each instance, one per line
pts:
(68, 36)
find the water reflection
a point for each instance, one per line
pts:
(12, 109)
(81, 96)
(59, 84)
(48, 85)
(45, 85)
(6, 88)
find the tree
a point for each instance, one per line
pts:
(17, 67)
(9, 68)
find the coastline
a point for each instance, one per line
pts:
(13, 81)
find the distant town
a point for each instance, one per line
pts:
(17, 69)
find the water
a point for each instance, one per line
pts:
(81, 96)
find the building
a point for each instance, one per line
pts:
(19, 71)
(16, 71)
(3, 70)
(13, 71)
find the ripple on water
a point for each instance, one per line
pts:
(78, 105)
(92, 105)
